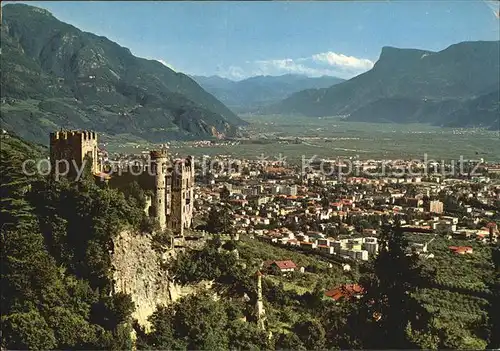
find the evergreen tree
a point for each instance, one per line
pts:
(388, 307)
(196, 322)
(289, 341)
(311, 333)
(15, 212)
(42, 306)
(494, 302)
(220, 220)
(56, 239)
(341, 323)
(27, 331)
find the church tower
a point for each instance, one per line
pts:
(259, 306)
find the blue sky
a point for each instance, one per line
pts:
(242, 39)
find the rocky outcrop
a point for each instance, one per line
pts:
(137, 271)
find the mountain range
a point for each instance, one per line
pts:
(55, 75)
(458, 86)
(249, 94)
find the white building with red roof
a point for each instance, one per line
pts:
(282, 266)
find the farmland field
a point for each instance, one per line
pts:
(331, 137)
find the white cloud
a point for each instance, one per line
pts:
(342, 61)
(283, 66)
(325, 63)
(164, 63)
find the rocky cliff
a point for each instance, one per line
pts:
(137, 271)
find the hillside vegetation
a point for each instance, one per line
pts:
(57, 289)
(54, 75)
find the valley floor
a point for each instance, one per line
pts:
(330, 137)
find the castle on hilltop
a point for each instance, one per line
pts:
(172, 183)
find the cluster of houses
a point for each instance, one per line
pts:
(344, 291)
(285, 266)
(349, 248)
(279, 203)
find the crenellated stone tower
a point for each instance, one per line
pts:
(73, 146)
(159, 170)
(180, 185)
(172, 184)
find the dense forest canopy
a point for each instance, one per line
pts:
(56, 237)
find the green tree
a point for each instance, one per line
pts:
(133, 192)
(14, 210)
(71, 329)
(196, 322)
(162, 240)
(289, 341)
(275, 293)
(56, 266)
(341, 325)
(161, 336)
(220, 220)
(229, 245)
(311, 333)
(494, 302)
(27, 331)
(389, 295)
(314, 299)
(246, 336)
(207, 264)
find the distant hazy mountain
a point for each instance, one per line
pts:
(457, 86)
(54, 75)
(260, 90)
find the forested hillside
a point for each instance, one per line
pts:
(54, 75)
(56, 242)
